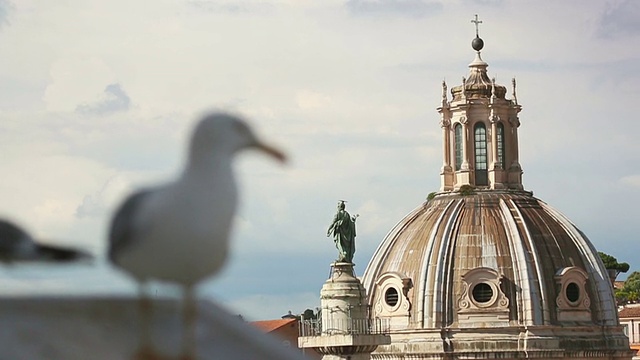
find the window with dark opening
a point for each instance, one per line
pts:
(458, 142)
(481, 154)
(500, 137)
(482, 293)
(573, 292)
(391, 296)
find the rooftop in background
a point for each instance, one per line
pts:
(629, 311)
(271, 325)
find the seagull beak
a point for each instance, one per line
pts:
(272, 151)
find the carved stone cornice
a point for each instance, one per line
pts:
(515, 121)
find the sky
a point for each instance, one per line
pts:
(97, 99)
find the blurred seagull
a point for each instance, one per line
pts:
(16, 245)
(179, 232)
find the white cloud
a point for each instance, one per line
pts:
(76, 81)
(308, 100)
(232, 7)
(620, 19)
(44, 191)
(631, 180)
(114, 99)
(99, 202)
(404, 8)
(5, 8)
(375, 219)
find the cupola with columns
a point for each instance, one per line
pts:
(480, 131)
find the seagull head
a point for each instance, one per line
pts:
(225, 133)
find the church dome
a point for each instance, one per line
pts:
(483, 269)
(488, 258)
(492, 274)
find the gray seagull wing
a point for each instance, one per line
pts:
(121, 233)
(17, 245)
(59, 253)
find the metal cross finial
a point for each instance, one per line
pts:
(476, 21)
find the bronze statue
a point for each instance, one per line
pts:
(343, 230)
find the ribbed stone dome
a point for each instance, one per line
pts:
(493, 274)
(515, 243)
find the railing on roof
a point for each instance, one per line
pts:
(344, 327)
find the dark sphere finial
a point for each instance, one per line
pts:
(477, 44)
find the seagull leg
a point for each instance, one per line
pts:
(145, 349)
(189, 341)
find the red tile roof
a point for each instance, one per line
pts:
(271, 325)
(629, 312)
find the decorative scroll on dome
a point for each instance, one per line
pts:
(482, 303)
(573, 302)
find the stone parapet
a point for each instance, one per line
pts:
(81, 328)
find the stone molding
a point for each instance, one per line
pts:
(475, 313)
(578, 308)
(399, 313)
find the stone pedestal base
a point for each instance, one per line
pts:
(345, 332)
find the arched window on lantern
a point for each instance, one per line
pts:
(480, 148)
(500, 145)
(458, 144)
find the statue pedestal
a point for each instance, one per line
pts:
(342, 298)
(340, 268)
(345, 330)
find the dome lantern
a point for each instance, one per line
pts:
(480, 132)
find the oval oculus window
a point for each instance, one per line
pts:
(482, 293)
(572, 292)
(391, 296)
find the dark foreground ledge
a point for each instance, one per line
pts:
(69, 328)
